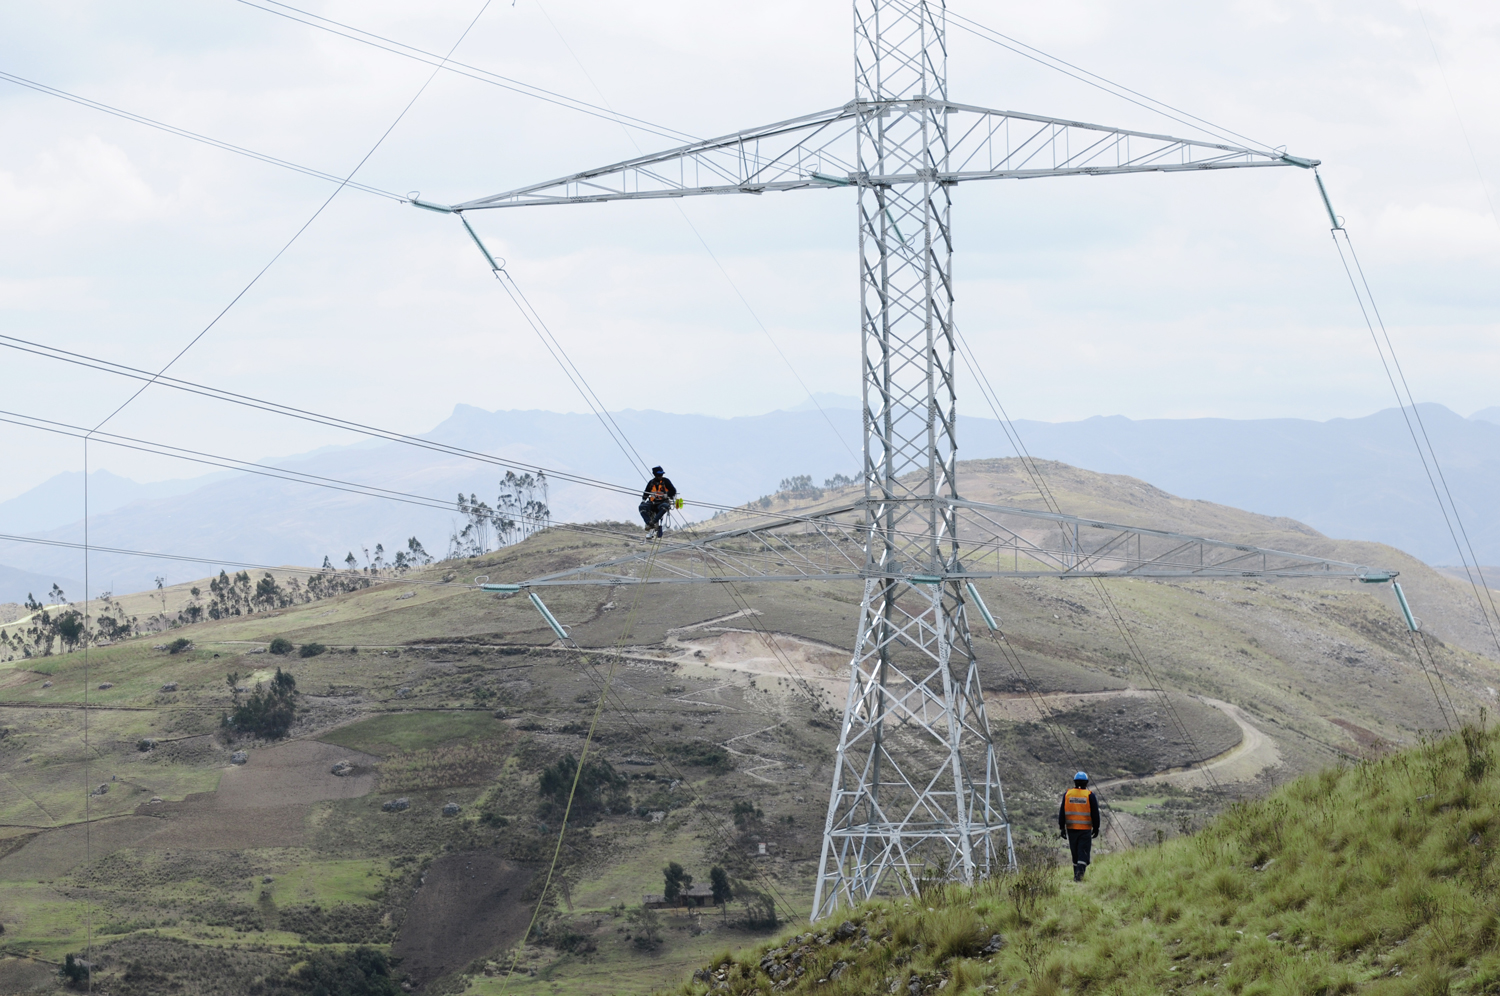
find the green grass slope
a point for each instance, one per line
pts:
(1381, 877)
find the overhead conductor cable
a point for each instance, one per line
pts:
(1412, 415)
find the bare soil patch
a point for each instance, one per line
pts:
(265, 802)
(1368, 740)
(299, 771)
(57, 852)
(198, 823)
(467, 906)
(1123, 734)
(23, 975)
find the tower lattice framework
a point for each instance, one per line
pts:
(916, 789)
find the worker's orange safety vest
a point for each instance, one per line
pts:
(1076, 811)
(657, 487)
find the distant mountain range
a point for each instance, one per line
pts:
(1349, 478)
(59, 500)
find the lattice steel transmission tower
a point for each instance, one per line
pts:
(938, 806)
(916, 792)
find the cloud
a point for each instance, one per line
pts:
(75, 180)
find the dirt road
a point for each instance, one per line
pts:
(1241, 763)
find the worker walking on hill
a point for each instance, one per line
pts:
(656, 500)
(1078, 820)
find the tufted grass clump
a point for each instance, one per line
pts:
(1379, 877)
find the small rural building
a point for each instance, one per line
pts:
(698, 895)
(694, 896)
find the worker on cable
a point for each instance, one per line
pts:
(656, 500)
(1078, 821)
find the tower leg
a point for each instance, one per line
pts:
(916, 793)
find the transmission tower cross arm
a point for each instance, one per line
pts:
(798, 153)
(998, 541)
(818, 152)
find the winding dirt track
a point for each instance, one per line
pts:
(1241, 763)
(719, 646)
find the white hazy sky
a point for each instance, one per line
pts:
(1148, 296)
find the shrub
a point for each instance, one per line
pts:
(705, 755)
(600, 787)
(178, 645)
(566, 937)
(744, 812)
(956, 933)
(1034, 880)
(760, 912)
(75, 971)
(1479, 759)
(310, 650)
(280, 646)
(645, 925)
(357, 972)
(268, 712)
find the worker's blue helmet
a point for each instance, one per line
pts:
(1081, 777)
(657, 470)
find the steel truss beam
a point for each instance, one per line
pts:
(999, 541)
(818, 152)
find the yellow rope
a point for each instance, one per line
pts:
(583, 756)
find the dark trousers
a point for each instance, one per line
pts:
(1081, 843)
(652, 512)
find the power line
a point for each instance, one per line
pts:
(538, 325)
(212, 561)
(1099, 82)
(249, 401)
(227, 463)
(348, 425)
(305, 225)
(1422, 663)
(623, 441)
(754, 316)
(1412, 415)
(583, 755)
(1112, 610)
(463, 69)
(196, 137)
(277, 473)
(628, 448)
(580, 382)
(193, 342)
(550, 343)
(1443, 72)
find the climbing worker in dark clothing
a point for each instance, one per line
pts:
(1078, 821)
(656, 500)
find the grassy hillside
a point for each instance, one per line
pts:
(141, 833)
(1377, 877)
